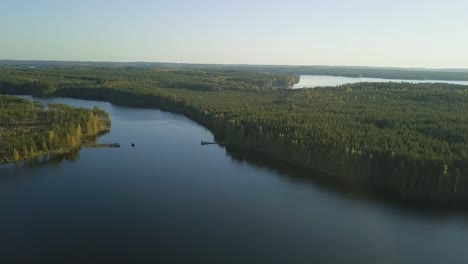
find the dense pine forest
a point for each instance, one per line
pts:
(29, 129)
(412, 138)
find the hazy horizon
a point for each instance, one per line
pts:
(235, 64)
(361, 33)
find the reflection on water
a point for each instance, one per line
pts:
(54, 159)
(347, 188)
(45, 160)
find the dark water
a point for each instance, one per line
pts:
(170, 200)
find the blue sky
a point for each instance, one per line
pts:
(307, 32)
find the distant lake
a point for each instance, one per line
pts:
(171, 200)
(311, 81)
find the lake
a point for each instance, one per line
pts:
(171, 200)
(311, 81)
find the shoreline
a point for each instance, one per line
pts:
(426, 196)
(84, 143)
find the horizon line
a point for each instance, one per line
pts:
(237, 64)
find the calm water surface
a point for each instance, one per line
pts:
(170, 200)
(311, 81)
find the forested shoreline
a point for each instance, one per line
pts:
(28, 129)
(412, 138)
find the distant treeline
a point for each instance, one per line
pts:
(412, 138)
(28, 130)
(47, 81)
(357, 72)
(347, 71)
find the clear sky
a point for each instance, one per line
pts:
(406, 33)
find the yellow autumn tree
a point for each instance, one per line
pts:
(53, 139)
(78, 132)
(25, 151)
(71, 141)
(16, 155)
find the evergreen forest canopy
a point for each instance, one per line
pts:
(28, 129)
(412, 138)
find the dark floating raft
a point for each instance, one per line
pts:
(203, 143)
(104, 145)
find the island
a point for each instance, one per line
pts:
(28, 129)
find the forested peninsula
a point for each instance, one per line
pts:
(28, 129)
(411, 138)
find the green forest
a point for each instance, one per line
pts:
(28, 129)
(412, 138)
